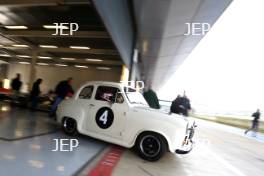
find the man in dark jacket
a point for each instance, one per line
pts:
(16, 83)
(35, 92)
(63, 89)
(181, 105)
(175, 105)
(255, 122)
(186, 104)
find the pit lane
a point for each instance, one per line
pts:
(27, 143)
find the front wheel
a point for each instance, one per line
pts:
(69, 126)
(151, 146)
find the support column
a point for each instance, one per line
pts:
(133, 69)
(32, 76)
(124, 74)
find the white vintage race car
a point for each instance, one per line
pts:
(117, 114)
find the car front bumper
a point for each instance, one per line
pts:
(187, 144)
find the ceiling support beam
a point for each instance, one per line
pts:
(48, 33)
(84, 62)
(80, 51)
(21, 3)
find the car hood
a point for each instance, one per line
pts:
(159, 114)
(147, 108)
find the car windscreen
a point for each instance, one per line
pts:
(134, 96)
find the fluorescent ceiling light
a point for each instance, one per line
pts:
(79, 47)
(26, 63)
(81, 66)
(67, 58)
(94, 60)
(44, 57)
(48, 46)
(55, 27)
(21, 46)
(5, 55)
(103, 68)
(23, 56)
(42, 63)
(61, 65)
(16, 27)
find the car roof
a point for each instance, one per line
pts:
(118, 84)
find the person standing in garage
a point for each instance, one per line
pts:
(255, 122)
(35, 92)
(181, 105)
(16, 84)
(152, 99)
(175, 105)
(63, 89)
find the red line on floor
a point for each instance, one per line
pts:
(108, 162)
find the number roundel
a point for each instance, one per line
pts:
(104, 117)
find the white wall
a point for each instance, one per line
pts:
(3, 71)
(52, 75)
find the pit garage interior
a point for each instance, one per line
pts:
(116, 40)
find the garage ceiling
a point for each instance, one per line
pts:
(161, 28)
(99, 52)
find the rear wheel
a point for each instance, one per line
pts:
(69, 126)
(151, 146)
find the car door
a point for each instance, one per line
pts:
(108, 112)
(85, 100)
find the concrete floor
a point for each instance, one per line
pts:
(27, 141)
(19, 123)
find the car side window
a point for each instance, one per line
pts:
(86, 92)
(106, 93)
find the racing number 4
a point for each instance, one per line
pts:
(103, 117)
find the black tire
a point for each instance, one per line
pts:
(151, 146)
(69, 126)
